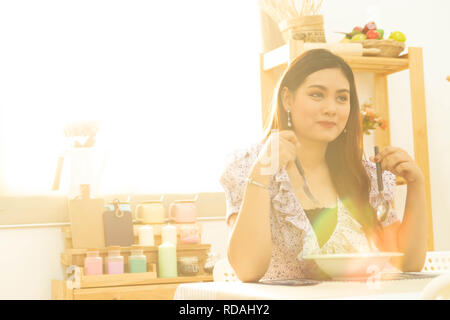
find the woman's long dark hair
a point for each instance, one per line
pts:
(344, 155)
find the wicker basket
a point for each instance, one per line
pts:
(306, 28)
(388, 47)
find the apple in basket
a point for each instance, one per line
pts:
(359, 37)
(381, 33)
(355, 31)
(372, 34)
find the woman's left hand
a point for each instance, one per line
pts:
(400, 163)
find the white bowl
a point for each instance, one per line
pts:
(352, 265)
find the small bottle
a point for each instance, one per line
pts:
(189, 234)
(137, 261)
(188, 266)
(213, 257)
(114, 264)
(93, 263)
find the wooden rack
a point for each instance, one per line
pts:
(146, 285)
(274, 62)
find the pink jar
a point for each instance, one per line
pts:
(114, 261)
(189, 233)
(93, 263)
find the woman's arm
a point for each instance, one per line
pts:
(250, 242)
(413, 232)
(410, 237)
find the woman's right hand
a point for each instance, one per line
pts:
(288, 145)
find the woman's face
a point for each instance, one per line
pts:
(320, 106)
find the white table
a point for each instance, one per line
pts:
(336, 290)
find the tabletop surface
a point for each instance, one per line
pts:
(403, 289)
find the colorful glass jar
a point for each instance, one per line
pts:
(189, 234)
(114, 261)
(188, 266)
(93, 263)
(137, 261)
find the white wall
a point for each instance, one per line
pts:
(29, 260)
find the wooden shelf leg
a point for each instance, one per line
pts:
(60, 290)
(270, 79)
(296, 48)
(381, 103)
(419, 122)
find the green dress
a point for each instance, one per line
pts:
(323, 221)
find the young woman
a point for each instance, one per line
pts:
(276, 220)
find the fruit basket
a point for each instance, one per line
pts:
(371, 37)
(388, 47)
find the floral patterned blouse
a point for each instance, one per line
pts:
(293, 236)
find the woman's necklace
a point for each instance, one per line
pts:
(305, 183)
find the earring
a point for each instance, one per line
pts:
(345, 130)
(289, 118)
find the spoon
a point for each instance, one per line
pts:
(306, 188)
(383, 207)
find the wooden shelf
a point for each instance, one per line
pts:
(279, 58)
(157, 228)
(146, 249)
(81, 280)
(128, 279)
(111, 280)
(142, 287)
(157, 231)
(145, 286)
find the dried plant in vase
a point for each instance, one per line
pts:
(370, 120)
(82, 134)
(82, 137)
(297, 19)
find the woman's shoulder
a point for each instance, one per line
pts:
(239, 161)
(243, 153)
